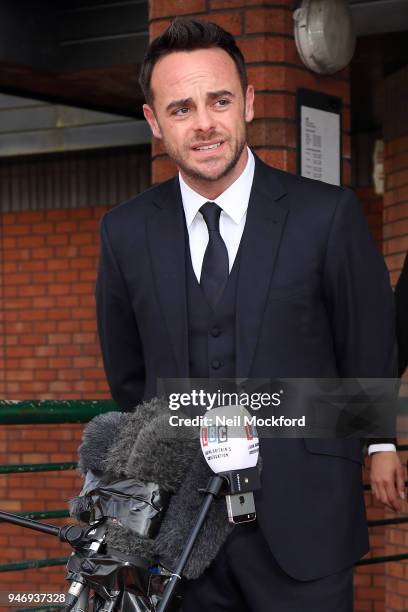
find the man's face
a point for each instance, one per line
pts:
(199, 112)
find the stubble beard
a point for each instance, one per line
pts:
(202, 176)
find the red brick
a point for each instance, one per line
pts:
(31, 290)
(369, 593)
(171, 8)
(396, 602)
(396, 212)
(157, 27)
(88, 275)
(362, 580)
(84, 313)
(59, 338)
(268, 77)
(42, 228)
(32, 266)
(57, 264)
(276, 20)
(56, 214)
(397, 146)
(82, 238)
(263, 48)
(44, 277)
(44, 253)
(282, 159)
(230, 21)
(399, 228)
(81, 264)
(84, 338)
(396, 196)
(89, 250)
(30, 216)
(219, 4)
(69, 251)
(275, 105)
(393, 164)
(90, 224)
(272, 133)
(397, 179)
(63, 227)
(30, 241)
(59, 289)
(69, 350)
(9, 218)
(16, 230)
(57, 239)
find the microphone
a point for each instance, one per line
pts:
(230, 446)
(150, 450)
(162, 453)
(98, 437)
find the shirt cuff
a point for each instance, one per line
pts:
(376, 448)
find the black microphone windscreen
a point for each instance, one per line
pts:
(98, 437)
(116, 460)
(163, 453)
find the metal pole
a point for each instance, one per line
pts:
(213, 489)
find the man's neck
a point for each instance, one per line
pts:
(213, 189)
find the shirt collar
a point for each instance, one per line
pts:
(233, 201)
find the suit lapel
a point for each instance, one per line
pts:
(166, 238)
(259, 247)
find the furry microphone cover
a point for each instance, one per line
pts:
(142, 445)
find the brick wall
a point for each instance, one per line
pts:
(396, 205)
(48, 341)
(50, 351)
(265, 36)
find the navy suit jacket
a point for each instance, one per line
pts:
(313, 300)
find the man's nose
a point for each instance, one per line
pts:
(204, 120)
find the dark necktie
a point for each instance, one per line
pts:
(215, 268)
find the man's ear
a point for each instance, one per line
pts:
(152, 121)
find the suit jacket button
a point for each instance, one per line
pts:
(215, 364)
(215, 332)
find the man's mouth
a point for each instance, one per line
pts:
(207, 147)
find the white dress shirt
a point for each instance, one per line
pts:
(234, 205)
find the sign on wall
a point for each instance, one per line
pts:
(319, 136)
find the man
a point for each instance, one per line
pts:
(232, 269)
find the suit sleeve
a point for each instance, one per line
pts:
(118, 332)
(360, 301)
(401, 304)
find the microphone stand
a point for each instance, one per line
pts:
(74, 535)
(212, 490)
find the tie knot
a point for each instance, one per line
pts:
(211, 213)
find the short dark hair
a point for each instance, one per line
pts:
(189, 35)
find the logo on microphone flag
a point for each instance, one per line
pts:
(204, 436)
(227, 447)
(249, 432)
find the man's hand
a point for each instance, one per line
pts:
(388, 476)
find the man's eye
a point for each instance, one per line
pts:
(223, 102)
(181, 111)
